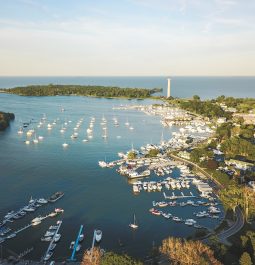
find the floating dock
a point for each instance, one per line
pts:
(59, 223)
(174, 197)
(72, 258)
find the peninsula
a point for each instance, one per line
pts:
(5, 119)
(81, 90)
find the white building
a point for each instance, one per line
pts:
(168, 87)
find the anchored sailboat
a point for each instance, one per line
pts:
(134, 224)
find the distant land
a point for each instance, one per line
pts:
(5, 119)
(81, 90)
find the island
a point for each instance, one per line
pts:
(81, 90)
(5, 119)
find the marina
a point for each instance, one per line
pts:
(74, 169)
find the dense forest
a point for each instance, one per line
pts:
(81, 90)
(5, 119)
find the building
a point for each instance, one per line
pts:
(168, 87)
(243, 165)
(252, 184)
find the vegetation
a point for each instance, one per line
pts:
(205, 108)
(81, 90)
(152, 153)
(5, 119)
(109, 258)
(183, 252)
(245, 259)
(132, 155)
(241, 104)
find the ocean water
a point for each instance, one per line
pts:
(205, 87)
(95, 197)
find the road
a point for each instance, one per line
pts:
(237, 226)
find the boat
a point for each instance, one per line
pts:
(42, 201)
(31, 200)
(53, 214)
(52, 247)
(98, 235)
(47, 239)
(57, 237)
(65, 145)
(49, 233)
(81, 237)
(48, 256)
(59, 210)
(29, 209)
(134, 224)
(56, 196)
(20, 131)
(11, 236)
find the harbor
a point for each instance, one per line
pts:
(74, 137)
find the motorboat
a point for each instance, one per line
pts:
(59, 210)
(48, 255)
(11, 236)
(98, 235)
(57, 237)
(56, 196)
(49, 233)
(65, 144)
(47, 239)
(42, 201)
(81, 237)
(52, 247)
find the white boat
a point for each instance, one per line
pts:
(48, 255)
(57, 237)
(42, 201)
(134, 224)
(31, 200)
(40, 138)
(27, 142)
(52, 246)
(59, 210)
(98, 235)
(36, 223)
(65, 145)
(85, 140)
(20, 131)
(81, 237)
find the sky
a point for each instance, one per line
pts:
(127, 37)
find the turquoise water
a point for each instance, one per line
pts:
(205, 87)
(95, 197)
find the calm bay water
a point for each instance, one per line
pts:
(95, 197)
(205, 87)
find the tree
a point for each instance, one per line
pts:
(153, 153)
(245, 259)
(93, 258)
(196, 97)
(183, 252)
(132, 155)
(111, 258)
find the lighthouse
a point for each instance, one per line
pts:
(168, 87)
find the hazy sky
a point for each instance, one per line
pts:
(127, 37)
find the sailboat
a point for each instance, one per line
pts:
(134, 224)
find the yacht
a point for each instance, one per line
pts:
(57, 237)
(42, 201)
(98, 235)
(48, 255)
(81, 237)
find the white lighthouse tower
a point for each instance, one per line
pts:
(168, 87)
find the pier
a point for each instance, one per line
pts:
(59, 223)
(174, 197)
(72, 258)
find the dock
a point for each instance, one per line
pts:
(59, 223)
(174, 197)
(28, 225)
(72, 258)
